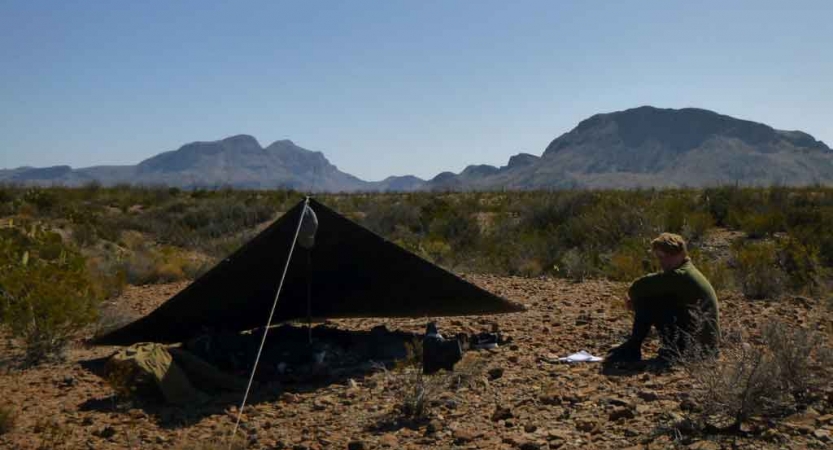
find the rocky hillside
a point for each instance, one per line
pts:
(647, 146)
(237, 161)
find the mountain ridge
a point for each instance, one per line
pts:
(639, 147)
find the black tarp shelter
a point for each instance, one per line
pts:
(353, 273)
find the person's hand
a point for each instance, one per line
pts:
(628, 303)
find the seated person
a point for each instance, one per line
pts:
(678, 301)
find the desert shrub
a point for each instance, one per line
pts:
(766, 378)
(53, 434)
(577, 265)
(530, 268)
(43, 199)
(629, 262)
(696, 224)
(140, 268)
(716, 271)
(388, 219)
(417, 392)
(436, 250)
(758, 225)
(757, 271)
(150, 266)
(7, 419)
(108, 275)
(195, 269)
(48, 295)
(801, 264)
(84, 235)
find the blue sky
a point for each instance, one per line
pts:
(392, 87)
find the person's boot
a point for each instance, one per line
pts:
(628, 352)
(665, 360)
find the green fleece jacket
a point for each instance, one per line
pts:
(686, 290)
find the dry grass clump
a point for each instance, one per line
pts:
(769, 377)
(151, 265)
(417, 392)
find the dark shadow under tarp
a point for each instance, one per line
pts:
(354, 273)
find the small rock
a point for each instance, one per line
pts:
(620, 413)
(389, 440)
(617, 401)
(434, 426)
(463, 436)
(773, 435)
(530, 427)
(558, 435)
(822, 435)
(632, 432)
(495, 373)
(648, 396)
(356, 445)
(704, 445)
(550, 398)
(587, 425)
(827, 418)
(106, 432)
(502, 413)
(530, 445)
(642, 409)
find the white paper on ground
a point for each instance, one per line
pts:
(581, 356)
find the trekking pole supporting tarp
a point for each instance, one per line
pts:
(268, 324)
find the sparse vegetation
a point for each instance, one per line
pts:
(417, 392)
(575, 234)
(771, 376)
(48, 295)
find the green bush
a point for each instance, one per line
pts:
(577, 265)
(717, 271)
(758, 225)
(48, 295)
(696, 224)
(629, 262)
(757, 270)
(802, 265)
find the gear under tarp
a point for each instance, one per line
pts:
(354, 273)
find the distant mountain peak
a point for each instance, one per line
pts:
(241, 140)
(638, 147)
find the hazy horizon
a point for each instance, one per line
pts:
(395, 88)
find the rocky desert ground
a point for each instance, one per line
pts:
(519, 397)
